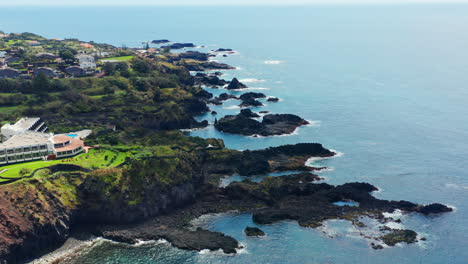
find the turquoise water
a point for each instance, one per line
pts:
(385, 85)
(71, 135)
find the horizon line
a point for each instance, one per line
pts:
(331, 3)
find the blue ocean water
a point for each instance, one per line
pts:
(387, 86)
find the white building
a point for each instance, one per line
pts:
(86, 61)
(28, 146)
(23, 125)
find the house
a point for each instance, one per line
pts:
(3, 54)
(86, 45)
(75, 71)
(9, 73)
(34, 124)
(86, 62)
(34, 43)
(11, 59)
(48, 56)
(46, 71)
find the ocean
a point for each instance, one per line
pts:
(385, 85)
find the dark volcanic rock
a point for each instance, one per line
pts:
(249, 99)
(399, 236)
(253, 231)
(250, 102)
(273, 99)
(179, 46)
(160, 41)
(235, 84)
(434, 208)
(252, 95)
(207, 65)
(203, 94)
(270, 125)
(222, 97)
(226, 96)
(209, 80)
(214, 112)
(194, 55)
(185, 239)
(222, 50)
(239, 124)
(248, 113)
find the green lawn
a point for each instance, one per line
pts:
(122, 58)
(95, 159)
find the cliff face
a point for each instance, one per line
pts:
(36, 215)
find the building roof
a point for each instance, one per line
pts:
(57, 139)
(26, 139)
(74, 144)
(25, 123)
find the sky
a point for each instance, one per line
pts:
(214, 2)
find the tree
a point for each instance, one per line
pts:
(67, 55)
(141, 65)
(41, 83)
(108, 68)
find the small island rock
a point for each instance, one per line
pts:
(253, 231)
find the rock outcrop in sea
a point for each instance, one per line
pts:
(272, 124)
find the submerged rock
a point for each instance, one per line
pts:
(253, 231)
(273, 99)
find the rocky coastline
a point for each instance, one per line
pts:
(136, 201)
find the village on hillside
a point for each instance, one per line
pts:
(27, 55)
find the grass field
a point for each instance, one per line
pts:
(95, 159)
(123, 58)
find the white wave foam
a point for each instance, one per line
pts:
(397, 214)
(274, 62)
(453, 207)
(310, 162)
(252, 80)
(394, 225)
(150, 242)
(455, 186)
(71, 249)
(232, 107)
(313, 123)
(249, 88)
(194, 129)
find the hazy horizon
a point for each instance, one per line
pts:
(213, 2)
